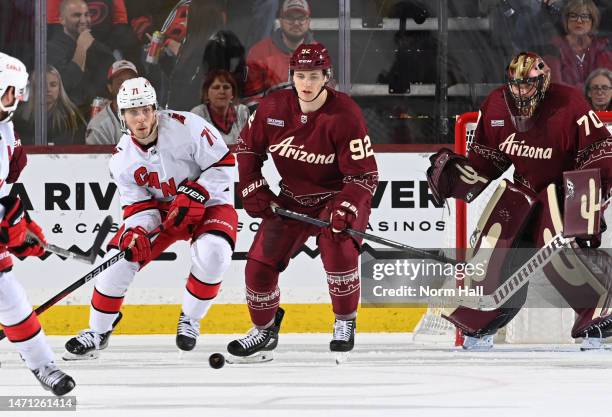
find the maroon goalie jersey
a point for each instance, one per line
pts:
(566, 135)
(317, 154)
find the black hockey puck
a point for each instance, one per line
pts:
(216, 360)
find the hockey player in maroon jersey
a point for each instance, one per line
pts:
(543, 129)
(19, 322)
(171, 167)
(318, 141)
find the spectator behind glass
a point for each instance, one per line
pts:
(104, 128)
(268, 60)
(81, 60)
(109, 24)
(580, 51)
(183, 67)
(598, 89)
(65, 124)
(220, 105)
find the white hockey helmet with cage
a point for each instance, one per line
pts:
(135, 92)
(13, 73)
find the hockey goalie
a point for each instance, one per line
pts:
(547, 132)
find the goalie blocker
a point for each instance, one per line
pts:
(518, 218)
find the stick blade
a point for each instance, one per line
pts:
(103, 232)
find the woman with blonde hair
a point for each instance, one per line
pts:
(65, 124)
(580, 50)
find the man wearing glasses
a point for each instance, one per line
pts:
(268, 60)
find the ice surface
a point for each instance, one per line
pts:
(386, 375)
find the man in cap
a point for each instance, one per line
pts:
(104, 128)
(268, 60)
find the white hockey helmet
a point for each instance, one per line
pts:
(135, 92)
(13, 73)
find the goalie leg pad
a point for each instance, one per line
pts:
(582, 276)
(500, 229)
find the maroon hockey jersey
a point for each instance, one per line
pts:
(317, 154)
(566, 135)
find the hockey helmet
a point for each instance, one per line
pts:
(135, 92)
(13, 73)
(309, 57)
(528, 78)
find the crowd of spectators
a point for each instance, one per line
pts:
(212, 66)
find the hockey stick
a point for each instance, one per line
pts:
(104, 230)
(387, 242)
(85, 279)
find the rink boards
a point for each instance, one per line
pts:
(69, 194)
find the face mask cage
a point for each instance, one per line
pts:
(527, 93)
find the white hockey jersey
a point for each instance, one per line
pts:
(7, 144)
(187, 148)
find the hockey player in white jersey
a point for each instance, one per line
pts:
(19, 322)
(171, 169)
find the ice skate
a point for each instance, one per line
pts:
(187, 333)
(258, 344)
(88, 343)
(343, 339)
(478, 344)
(53, 379)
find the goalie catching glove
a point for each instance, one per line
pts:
(188, 207)
(136, 242)
(257, 199)
(451, 175)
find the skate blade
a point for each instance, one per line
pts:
(67, 356)
(602, 348)
(341, 357)
(256, 358)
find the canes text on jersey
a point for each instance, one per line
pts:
(151, 179)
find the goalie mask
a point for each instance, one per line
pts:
(13, 73)
(528, 78)
(135, 92)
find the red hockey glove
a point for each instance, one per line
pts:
(35, 242)
(13, 226)
(257, 199)
(137, 240)
(17, 164)
(188, 207)
(343, 215)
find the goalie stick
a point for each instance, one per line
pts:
(104, 230)
(85, 279)
(436, 256)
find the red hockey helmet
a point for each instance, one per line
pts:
(309, 57)
(528, 78)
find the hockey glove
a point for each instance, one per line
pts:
(35, 242)
(13, 227)
(188, 207)
(137, 243)
(17, 164)
(257, 199)
(439, 177)
(343, 215)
